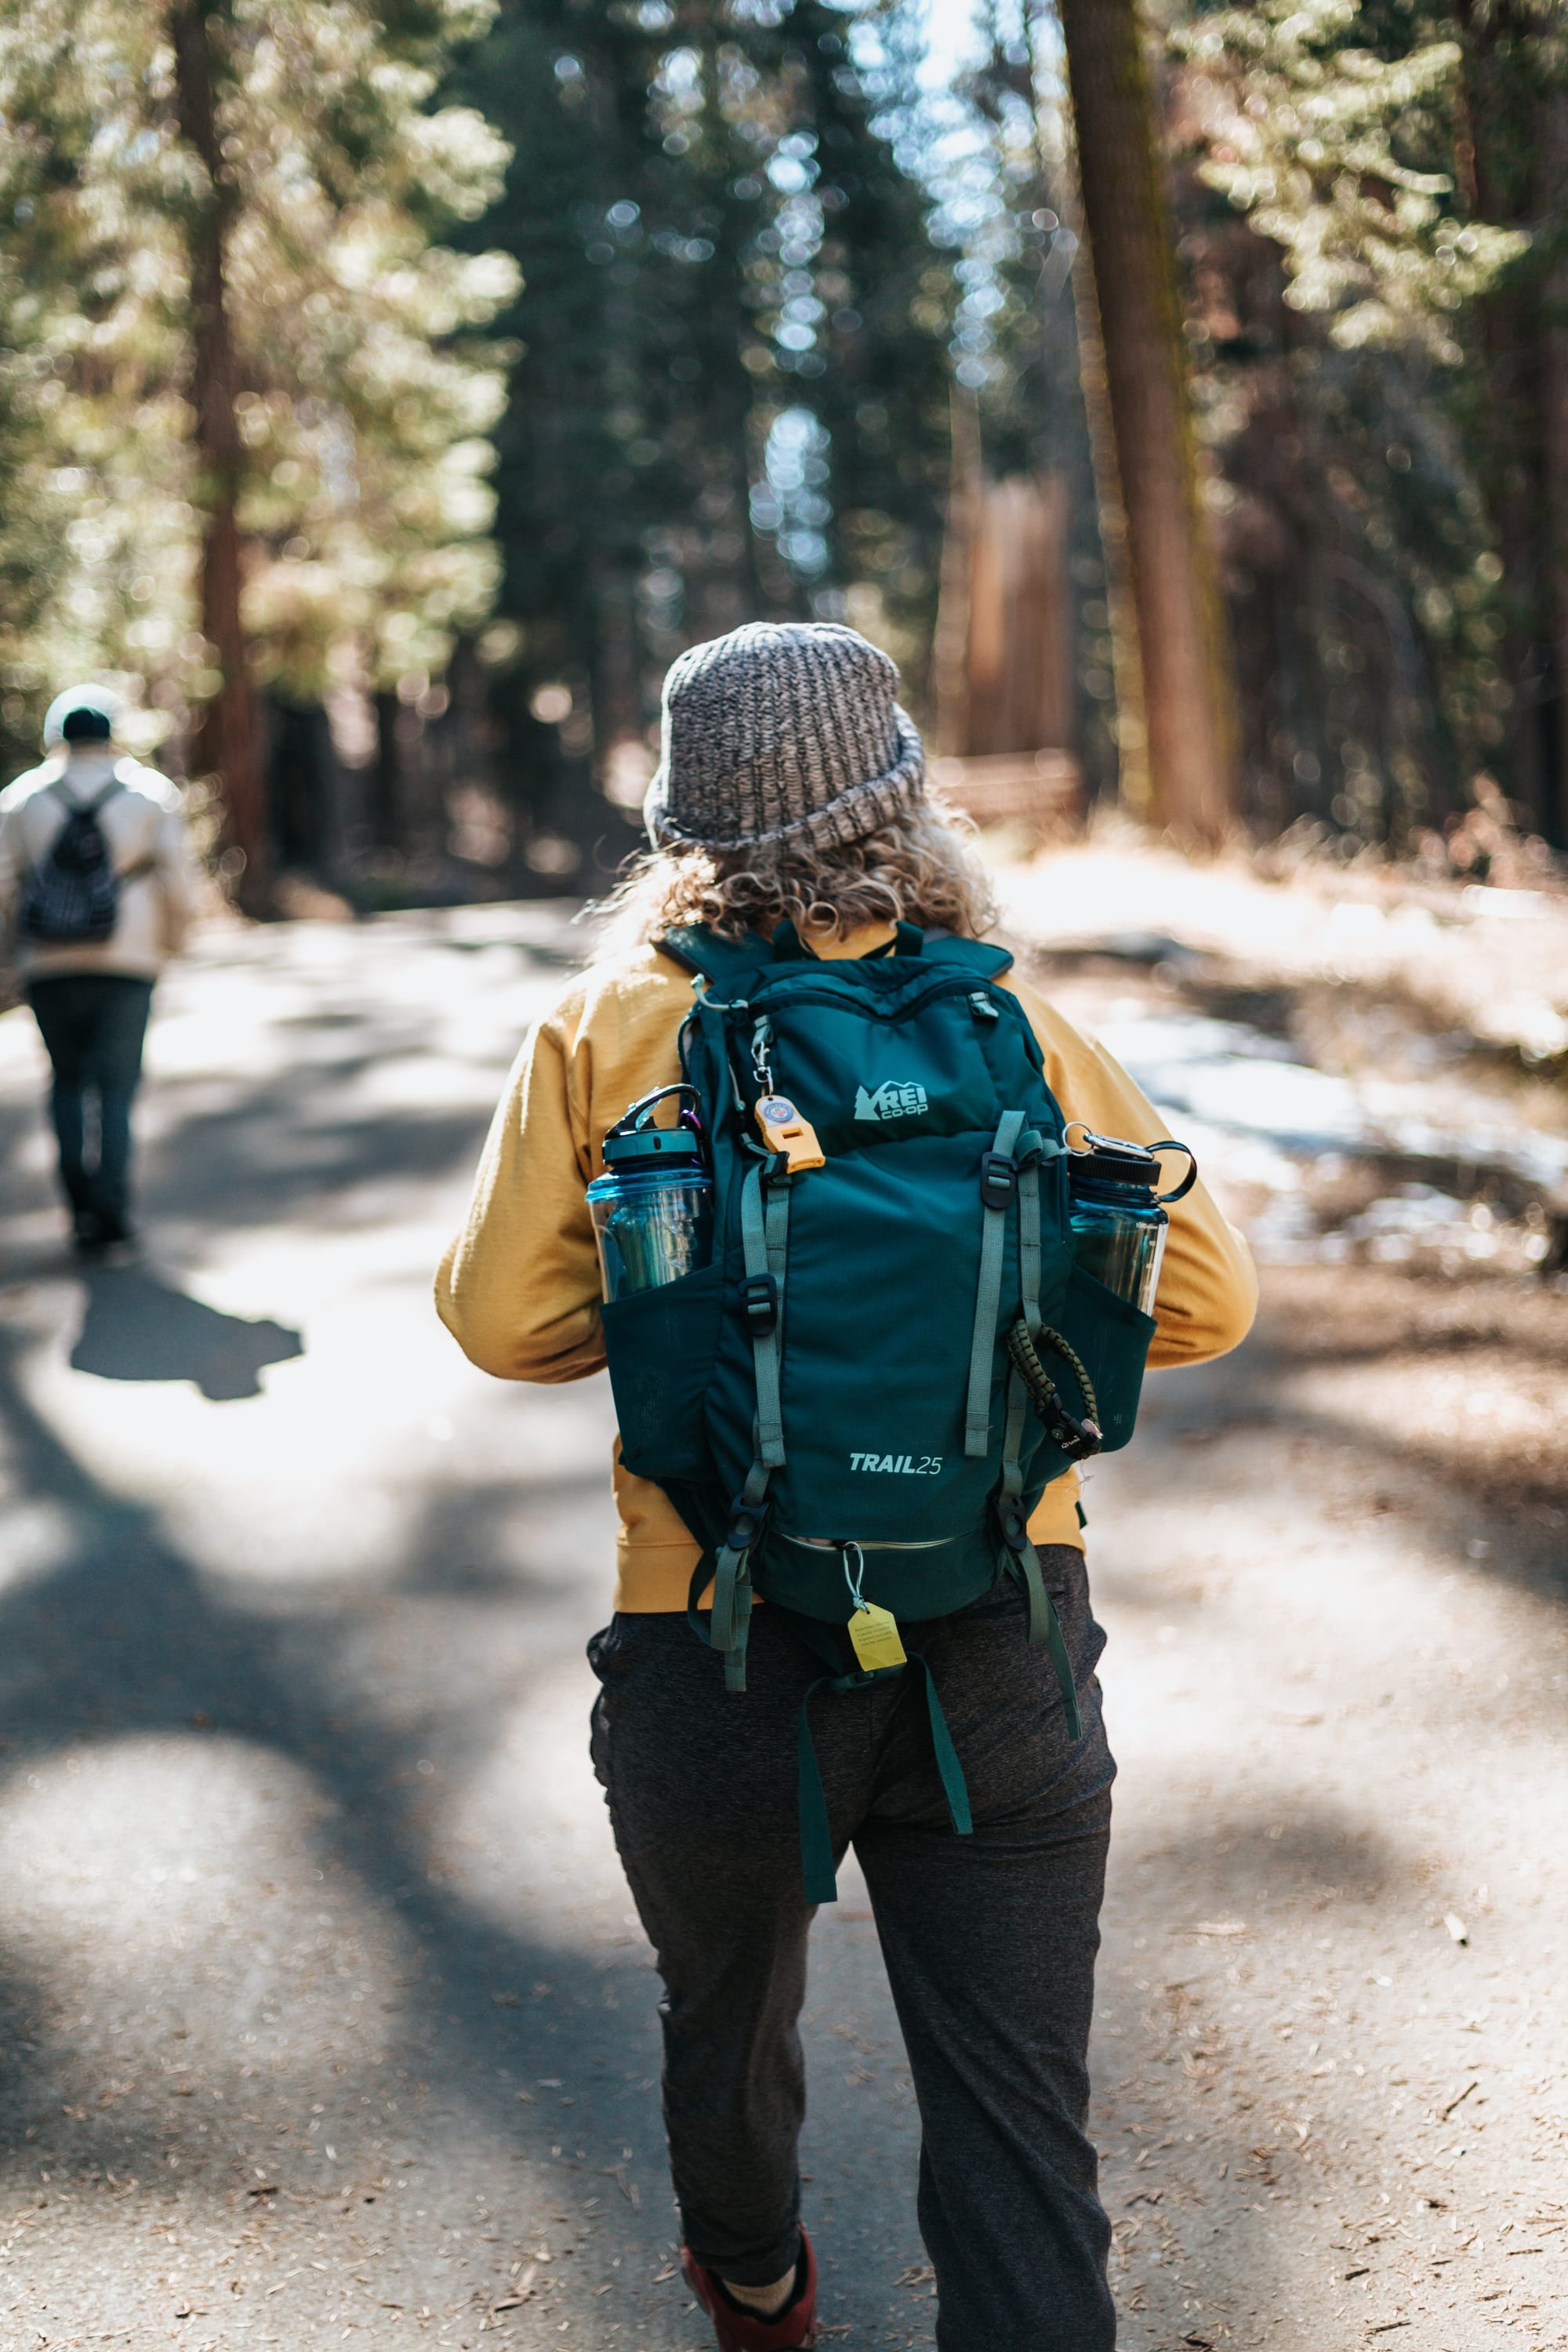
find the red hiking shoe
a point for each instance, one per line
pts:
(794, 2328)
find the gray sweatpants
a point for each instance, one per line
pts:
(990, 1940)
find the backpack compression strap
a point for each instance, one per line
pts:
(764, 1241)
(1023, 1561)
(998, 1183)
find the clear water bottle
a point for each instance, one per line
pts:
(653, 1207)
(1119, 1222)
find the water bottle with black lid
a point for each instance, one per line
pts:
(653, 1207)
(1117, 1210)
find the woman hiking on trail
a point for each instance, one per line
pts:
(789, 822)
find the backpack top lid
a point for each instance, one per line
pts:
(726, 961)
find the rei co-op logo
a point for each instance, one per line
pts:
(903, 1465)
(893, 1099)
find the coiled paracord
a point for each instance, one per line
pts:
(1078, 1439)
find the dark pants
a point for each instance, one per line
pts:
(92, 1024)
(990, 1940)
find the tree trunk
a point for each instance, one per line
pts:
(229, 738)
(386, 827)
(1514, 164)
(1552, 150)
(949, 648)
(1188, 709)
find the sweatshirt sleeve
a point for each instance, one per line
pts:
(518, 1288)
(1208, 1290)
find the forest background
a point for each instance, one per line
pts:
(388, 393)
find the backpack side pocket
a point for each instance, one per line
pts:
(662, 1346)
(1112, 1335)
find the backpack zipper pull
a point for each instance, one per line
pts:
(981, 1007)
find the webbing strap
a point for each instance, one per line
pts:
(731, 1618)
(1062, 1662)
(100, 800)
(701, 1576)
(1045, 1625)
(1022, 1558)
(764, 1241)
(987, 1305)
(1012, 1437)
(764, 1238)
(1029, 1229)
(819, 1868)
(955, 1787)
(735, 1652)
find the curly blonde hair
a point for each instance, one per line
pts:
(921, 868)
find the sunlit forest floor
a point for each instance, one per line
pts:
(324, 2010)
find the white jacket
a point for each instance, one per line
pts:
(144, 830)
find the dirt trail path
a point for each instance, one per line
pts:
(323, 2012)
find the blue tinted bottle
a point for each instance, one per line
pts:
(653, 1207)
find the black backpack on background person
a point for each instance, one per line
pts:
(72, 894)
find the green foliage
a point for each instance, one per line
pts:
(731, 397)
(1339, 357)
(1302, 128)
(365, 399)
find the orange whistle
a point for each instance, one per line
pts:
(784, 1129)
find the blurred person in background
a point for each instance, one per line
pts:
(96, 892)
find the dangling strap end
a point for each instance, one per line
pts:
(949, 1771)
(701, 1577)
(1063, 1665)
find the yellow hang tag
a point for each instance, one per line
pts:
(874, 1634)
(784, 1129)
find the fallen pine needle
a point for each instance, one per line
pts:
(520, 2292)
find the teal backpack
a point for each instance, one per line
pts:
(858, 1403)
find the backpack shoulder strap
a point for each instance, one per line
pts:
(724, 960)
(73, 807)
(719, 961)
(982, 957)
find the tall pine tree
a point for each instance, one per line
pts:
(252, 379)
(731, 398)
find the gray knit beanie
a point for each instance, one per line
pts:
(782, 730)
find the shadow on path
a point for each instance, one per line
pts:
(126, 1639)
(137, 1327)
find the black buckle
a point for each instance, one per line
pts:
(748, 1522)
(1012, 1528)
(760, 1304)
(1079, 1439)
(998, 1179)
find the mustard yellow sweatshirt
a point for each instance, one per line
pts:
(518, 1288)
